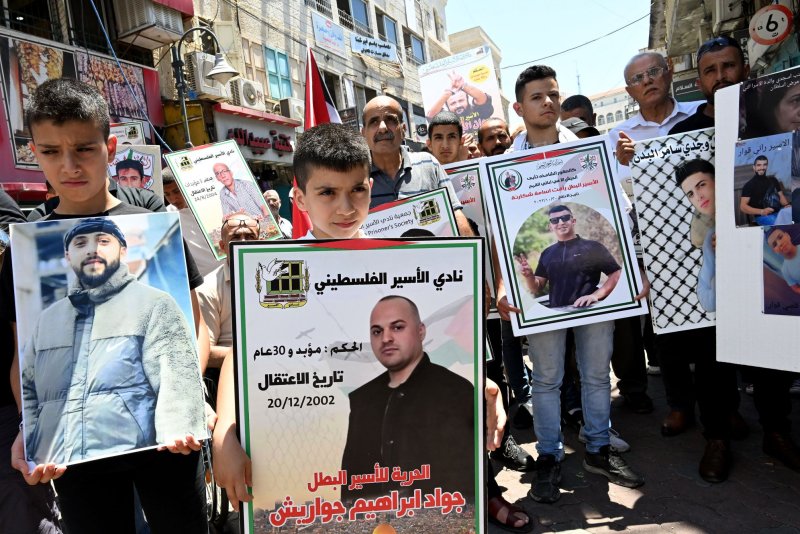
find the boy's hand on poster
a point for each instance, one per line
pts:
(232, 467)
(41, 474)
(585, 301)
(645, 286)
(504, 308)
(495, 416)
(182, 446)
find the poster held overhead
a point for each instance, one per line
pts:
(563, 239)
(313, 389)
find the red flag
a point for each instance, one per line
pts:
(319, 110)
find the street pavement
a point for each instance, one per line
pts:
(760, 496)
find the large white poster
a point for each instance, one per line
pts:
(745, 274)
(373, 360)
(565, 247)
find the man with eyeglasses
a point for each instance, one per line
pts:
(239, 196)
(648, 79)
(214, 294)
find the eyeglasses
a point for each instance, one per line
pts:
(652, 73)
(562, 218)
(716, 43)
(242, 223)
(217, 173)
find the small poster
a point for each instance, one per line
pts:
(673, 178)
(129, 133)
(751, 291)
(563, 239)
(364, 335)
(465, 177)
(138, 166)
(427, 215)
(216, 183)
(782, 270)
(131, 378)
(465, 84)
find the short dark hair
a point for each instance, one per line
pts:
(532, 73)
(445, 118)
(762, 157)
(329, 146)
(577, 101)
(410, 302)
(491, 119)
(166, 176)
(693, 166)
(65, 99)
(131, 164)
(557, 208)
(718, 43)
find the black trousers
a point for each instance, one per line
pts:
(772, 398)
(628, 360)
(713, 385)
(97, 497)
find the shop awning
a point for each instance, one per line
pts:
(184, 6)
(257, 115)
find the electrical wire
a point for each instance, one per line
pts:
(125, 77)
(578, 46)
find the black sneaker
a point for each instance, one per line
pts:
(638, 402)
(523, 418)
(548, 476)
(512, 456)
(613, 467)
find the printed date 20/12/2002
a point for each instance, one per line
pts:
(300, 402)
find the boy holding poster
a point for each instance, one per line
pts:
(331, 165)
(69, 122)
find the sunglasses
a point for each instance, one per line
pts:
(715, 44)
(241, 223)
(562, 218)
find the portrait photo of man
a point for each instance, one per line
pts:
(762, 196)
(130, 173)
(416, 413)
(569, 270)
(237, 195)
(112, 366)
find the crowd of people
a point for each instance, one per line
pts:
(341, 174)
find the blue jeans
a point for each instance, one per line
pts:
(519, 377)
(593, 347)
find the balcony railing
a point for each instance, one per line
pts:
(40, 24)
(346, 20)
(323, 6)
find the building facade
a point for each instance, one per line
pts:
(612, 107)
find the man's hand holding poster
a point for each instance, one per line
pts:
(563, 239)
(344, 408)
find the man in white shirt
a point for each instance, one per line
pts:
(274, 203)
(648, 79)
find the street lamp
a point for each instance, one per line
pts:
(221, 73)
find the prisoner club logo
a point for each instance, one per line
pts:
(427, 212)
(468, 181)
(509, 180)
(185, 163)
(589, 162)
(282, 284)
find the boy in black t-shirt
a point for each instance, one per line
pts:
(69, 125)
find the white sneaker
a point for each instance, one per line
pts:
(617, 444)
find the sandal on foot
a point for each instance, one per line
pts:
(504, 514)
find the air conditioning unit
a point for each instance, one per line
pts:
(294, 108)
(198, 65)
(146, 23)
(247, 93)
